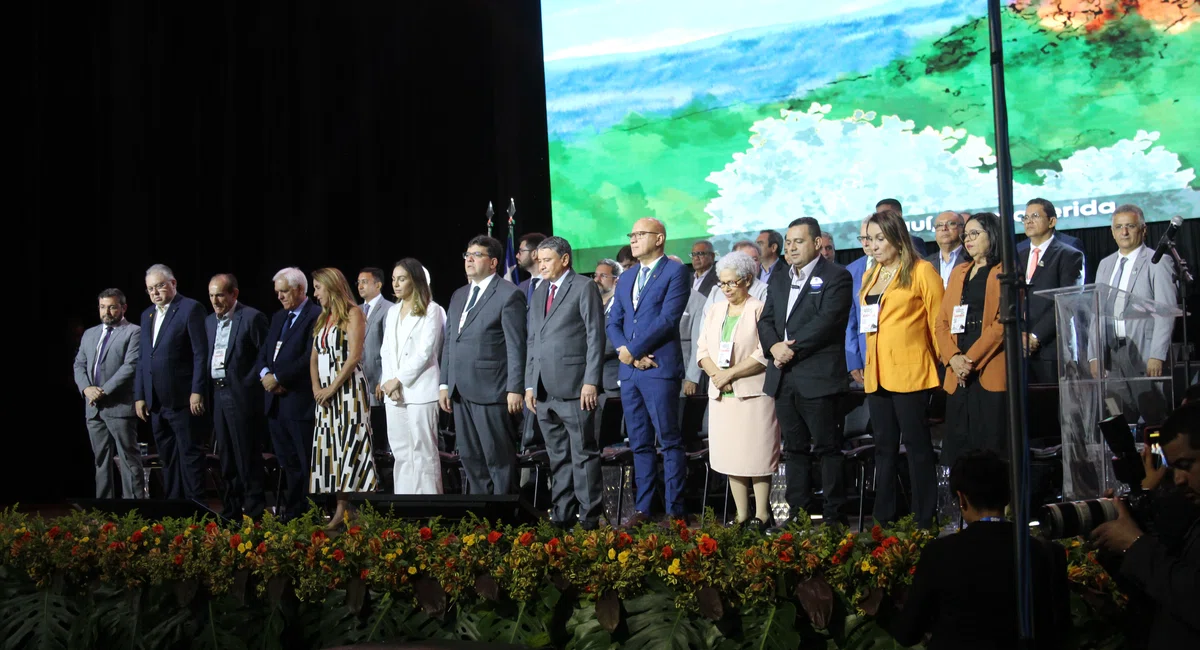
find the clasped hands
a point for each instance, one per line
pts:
(589, 396)
(961, 366)
(642, 363)
(782, 353)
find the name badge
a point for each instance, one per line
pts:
(218, 360)
(323, 366)
(958, 323)
(725, 354)
(868, 321)
(278, 344)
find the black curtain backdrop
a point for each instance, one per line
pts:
(246, 137)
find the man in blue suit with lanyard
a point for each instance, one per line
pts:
(643, 325)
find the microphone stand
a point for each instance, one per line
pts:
(1183, 281)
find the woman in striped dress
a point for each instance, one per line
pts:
(342, 460)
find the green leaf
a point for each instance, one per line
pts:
(771, 627)
(655, 622)
(586, 631)
(40, 620)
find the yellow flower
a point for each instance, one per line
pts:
(242, 547)
(145, 528)
(389, 557)
(84, 539)
(412, 570)
(612, 554)
(249, 554)
(674, 568)
(866, 565)
(422, 566)
(469, 540)
(157, 540)
(623, 557)
(324, 550)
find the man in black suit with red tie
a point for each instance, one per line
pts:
(802, 331)
(283, 371)
(1047, 264)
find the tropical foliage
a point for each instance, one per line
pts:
(91, 580)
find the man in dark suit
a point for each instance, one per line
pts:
(171, 381)
(704, 258)
(1047, 264)
(1066, 238)
(283, 370)
(375, 307)
(527, 261)
(770, 246)
(643, 324)
(607, 272)
(483, 369)
(964, 591)
(104, 368)
(563, 371)
(802, 332)
(235, 335)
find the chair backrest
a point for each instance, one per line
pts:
(693, 421)
(612, 420)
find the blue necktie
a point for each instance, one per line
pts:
(366, 310)
(474, 297)
(104, 346)
(287, 325)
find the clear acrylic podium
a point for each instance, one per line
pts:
(1105, 338)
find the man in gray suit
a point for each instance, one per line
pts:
(375, 307)
(563, 374)
(483, 369)
(104, 370)
(1137, 348)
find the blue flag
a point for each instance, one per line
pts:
(510, 260)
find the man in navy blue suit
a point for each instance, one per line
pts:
(235, 335)
(643, 325)
(171, 381)
(283, 371)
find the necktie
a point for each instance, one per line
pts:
(1033, 263)
(643, 277)
(367, 309)
(550, 299)
(287, 325)
(474, 297)
(100, 355)
(533, 283)
(1119, 303)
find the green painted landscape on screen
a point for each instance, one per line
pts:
(1068, 90)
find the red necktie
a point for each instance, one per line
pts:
(550, 299)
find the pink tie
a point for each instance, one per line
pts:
(1033, 262)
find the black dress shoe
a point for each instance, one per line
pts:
(590, 524)
(756, 525)
(638, 519)
(780, 527)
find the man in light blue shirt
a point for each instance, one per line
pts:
(948, 230)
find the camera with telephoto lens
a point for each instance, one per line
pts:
(1079, 518)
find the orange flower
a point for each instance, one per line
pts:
(707, 545)
(494, 536)
(426, 534)
(354, 530)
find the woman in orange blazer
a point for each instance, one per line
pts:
(973, 349)
(905, 293)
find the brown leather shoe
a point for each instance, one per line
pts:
(638, 519)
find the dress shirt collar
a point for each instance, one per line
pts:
(228, 315)
(806, 271)
(484, 283)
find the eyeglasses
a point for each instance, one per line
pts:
(1031, 217)
(863, 239)
(476, 254)
(1127, 227)
(640, 234)
(605, 276)
(702, 254)
(946, 226)
(730, 284)
(158, 287)
(971, 235)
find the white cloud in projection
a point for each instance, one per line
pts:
(801, 164)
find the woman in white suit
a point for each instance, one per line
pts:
(412, 337)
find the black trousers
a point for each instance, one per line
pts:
(804, 423)
(896, 418)
(293, 441)
(241, 460)
(1043, 371)
(179, 452)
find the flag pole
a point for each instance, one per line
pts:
(490, 213)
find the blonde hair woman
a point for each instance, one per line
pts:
(342, 460)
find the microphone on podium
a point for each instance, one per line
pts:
(1168, 238)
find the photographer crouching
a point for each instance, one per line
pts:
(1161, 571)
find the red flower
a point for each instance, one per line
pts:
(552, 545)
(262, 548)
(52, 533)
(494, 536)
(179, 539)
(878, 552)
(685, 534)
(912, 570)
(525, 539)
(889, 541)
(234, 540)
(786, 538)
(114, 546)
(623, 539)
(836, 559)
(386, 535)
(339, 555)
(667, 553)
(364, 574)
(785, 555)
(354, 530)
(707, 545)
(136, 537)
(179, 559)
(877, 533)
(318, 534)
(107, 527)
(157, 528)
(426, 534)
(210, 527)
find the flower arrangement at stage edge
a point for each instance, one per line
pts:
(1088, 577)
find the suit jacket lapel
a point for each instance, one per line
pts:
(483, 298)
(558, 296)
(233, 330)
(816, 272)
(654, 273)
(1139, 265)
(162, 329)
